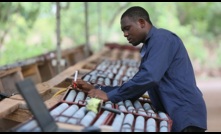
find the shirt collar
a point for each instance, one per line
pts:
(148, 35)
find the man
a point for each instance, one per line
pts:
(165, 72)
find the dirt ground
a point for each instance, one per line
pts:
(211, 89)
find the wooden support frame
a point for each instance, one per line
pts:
(32, 72)
(16, 110)
(8, 78)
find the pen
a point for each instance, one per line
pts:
(75, 79)
(76, 75)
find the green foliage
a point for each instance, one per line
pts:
(218, 60)
(202, 15)
(29, 11)
(73, 25)
(28, 29)
(11, 54)
(214, 18)
(5, 10)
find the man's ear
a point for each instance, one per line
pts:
(142, 23)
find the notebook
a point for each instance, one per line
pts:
(39, 110)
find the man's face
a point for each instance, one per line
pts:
(132, 30)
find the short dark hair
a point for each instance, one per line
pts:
(136, 12)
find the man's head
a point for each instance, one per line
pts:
(135, 23)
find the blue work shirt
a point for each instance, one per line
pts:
(166, 73)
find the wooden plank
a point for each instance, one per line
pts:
(9, 71)
(16, 97)
(136, 56)
(72, 50)
(67, 82)
(64, 83)
(67, 61)
(54, 100)
(49, 87)
(32, 72)
(116, 53)
(46, 71)
(8, 83)
(58, 79)
(133, 55)
(43, 87)
(6, 125)
(20, 115)
(125, 54)
(89, 66)
(1, 87)
(7, 106)
(28, 70)
(47, 94)
(19, 75)
(70, 59)
(15, 110)
(78, 56)
(11, 106)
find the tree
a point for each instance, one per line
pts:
(28, 10)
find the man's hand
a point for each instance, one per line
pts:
(90, 89)
(96, 93)
(84, 86)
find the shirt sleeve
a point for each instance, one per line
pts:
(152, 68)
(107, 89)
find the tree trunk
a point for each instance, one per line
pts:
(86, 48)
(58, 37)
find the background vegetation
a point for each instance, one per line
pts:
(28, 29)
